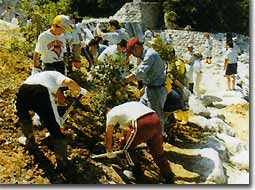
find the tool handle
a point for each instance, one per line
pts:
(105, 154)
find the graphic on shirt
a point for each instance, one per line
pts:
(56, 46)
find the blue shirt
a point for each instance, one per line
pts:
(152, 69)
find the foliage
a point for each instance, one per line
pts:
(208, 15)
(109, 81)
(165, 50)
(41, 13)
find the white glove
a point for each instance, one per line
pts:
(186, 91)
(35, 70)
(83, 91)
(111, 155)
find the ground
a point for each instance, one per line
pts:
(18, 166)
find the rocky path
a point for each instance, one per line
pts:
(223, 158)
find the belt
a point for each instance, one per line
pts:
(152, 86)
(56, 62)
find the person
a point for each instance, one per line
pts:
(141, 124)
(15, 19)
(197, 69)
(115, 34)
(230, 65)
(117, 54)
(151, 71)
(7, 14)
(189, 61)
(51, 46)
(37, 93)
(90, 52)
(208, 48)
(236, 47)
(29, 21)
(148, 35)
(100, 42)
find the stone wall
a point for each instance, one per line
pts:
(182, 38)
(146, 13)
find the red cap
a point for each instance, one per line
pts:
(131, 43)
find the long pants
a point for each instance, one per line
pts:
(154, 98)
(36, 98)
(149, 131)
(197, 82)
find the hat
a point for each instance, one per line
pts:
(234, 39)
(64, 22)
(190, 45)
(131, 43)
(198, 54)
(154, 41)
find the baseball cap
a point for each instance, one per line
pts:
(234, 38)
(190, 45)
(198, 54)
(154, 41)
(64, 22)
(131, 43)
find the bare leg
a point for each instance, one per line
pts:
(228, 78)
(233, 82)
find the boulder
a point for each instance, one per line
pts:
(241, 160)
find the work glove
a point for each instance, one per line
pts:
(186, 91)
(35, 70)
(111, 155)
(83, 91)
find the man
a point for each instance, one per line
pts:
(7, 14)
(51, 46)
(230, 65)
(115, 33)
(151, 71)
(142, 125)
(148, 35)
(236, 47)
(189, 61)
(100, 42)
(90, 52)
(208, 48)
(37, 94)
(116, 54)
(15, 19)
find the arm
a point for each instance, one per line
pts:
(225, 63)
(36, 63)
(73, 86)
(108, 138)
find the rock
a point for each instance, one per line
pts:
(217, 125)
(233, 144)
(219, 146)
(241, 160)
(199, 120)
(217, 175)
(236, 176)
(196, 105)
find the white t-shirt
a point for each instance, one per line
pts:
(231, 56)
(109, 51)
(127, 112)
(51, 47)
(197, 66)
(15, 21)
(52, 80)
(115, 37)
